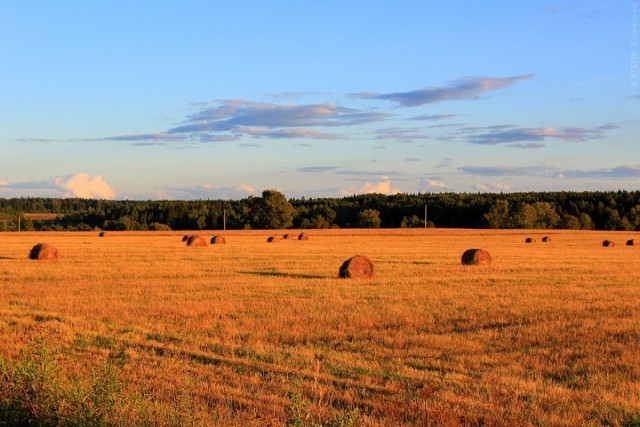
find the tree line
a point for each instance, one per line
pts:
(613, 210)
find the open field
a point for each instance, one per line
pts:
(138, 329)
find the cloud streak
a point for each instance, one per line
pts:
(618, 172)
(511, 134)
(233, 114)
(468, 88)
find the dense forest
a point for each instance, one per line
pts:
(618, 210)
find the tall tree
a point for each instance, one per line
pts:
(271, 211)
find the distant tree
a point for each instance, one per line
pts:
(412, 222)
(157, 226)
(615, 222)
(369, 218)
(546, 215)
(271, 211)
(498, 216)
(586, 223)
(525, 216)
(634, 217)
(570, 222)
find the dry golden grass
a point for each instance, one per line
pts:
(254, 334)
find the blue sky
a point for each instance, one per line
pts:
(201, 99)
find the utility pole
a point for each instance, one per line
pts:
(425, 215)
(18, 223)
(224, 219)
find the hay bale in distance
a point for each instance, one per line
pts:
(631, 242)
(608, 244)
(185, 237)
(530, 240)
(44, 251)
(303, 236)
(476, 257)
(102, 234)
(218, 240)
(272, 239)
(357, 267)
(546, 239)
(196, 241)
(286, 236)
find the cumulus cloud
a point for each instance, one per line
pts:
(433, 184)
(86, 187)
(436, 184)
(80, 185)
(494, 186)
(383, 186)
(461, 89)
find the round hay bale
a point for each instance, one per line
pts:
(530, 240)
(303, 236)
(546, 239)
(218, 240)
(630, 242)
(357, 267)
(476, 257)
(286, 236)
(196, 241)
(608, 244)
(272, 239)
(44, 251)
(185, 237)
(102, 234)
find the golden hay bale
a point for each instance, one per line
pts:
(272, 239)
(44, 251)
(286, 236)
(608, 244)
(530, 240)
(631, 242)
(476, 257)
(218, 240)
(546, 239)
(357, 267)
(185, 237)
(196, 241)
(102, 234)
(303, 236)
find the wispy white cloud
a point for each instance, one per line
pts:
(462, 89)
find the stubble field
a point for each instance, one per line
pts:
(138, 329)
